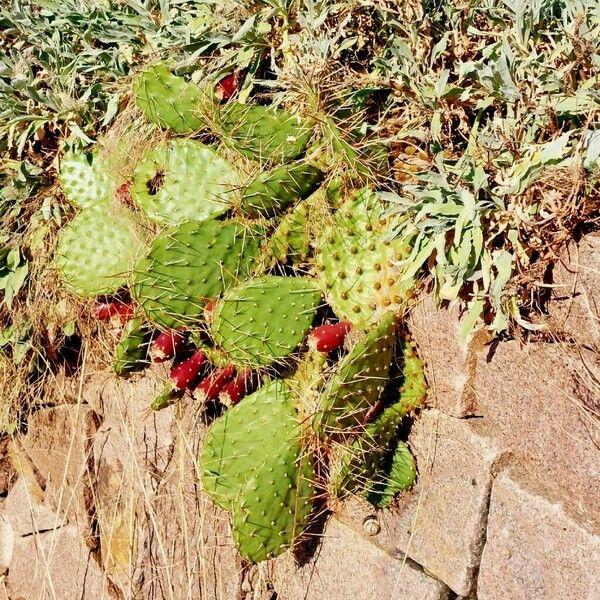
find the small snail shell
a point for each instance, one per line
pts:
(371, 525)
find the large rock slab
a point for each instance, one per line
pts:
(347, 566)
(534, 549)
(440, 524)
(55, 564)
(530, 399)
(27, 511)
(159, 536)
(449, 366)
(58, 444)
(7, 543)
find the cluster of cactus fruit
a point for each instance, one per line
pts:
(290, 328)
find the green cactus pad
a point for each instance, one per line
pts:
(270, 518)
(98, 249)
(252, 464)
(359, 381)
(290, 242)
(190, 265)
(131, 353)
(397, 475)
(307, 381)
(273, 191)
(357, 464)
(84, 179)
(170, 101)
(414, 387)
(264, 134)
(183, 180)
(264, 319)
(356, 264)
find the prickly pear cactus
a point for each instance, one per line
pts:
(397, 474)
(170, 101)
(263, 320)
(356, 264)
(187, 266)
(307, 381)
(263, 133)
(362, 464)
(254, 465)
(354, 389)
(99, 248)
(290, 242)
(85, 180)
(271, 192)
(131, 353)
(183, 180)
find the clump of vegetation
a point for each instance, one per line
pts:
(257, 191)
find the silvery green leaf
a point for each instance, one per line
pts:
(591, 157)
(500, 322)
(440, 47)
(416, 259)
(554, 151)
(503, 262)
(440, 84)
(469, 321)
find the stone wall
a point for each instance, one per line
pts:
(104, 500)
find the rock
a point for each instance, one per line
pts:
(58, 444)
(574, 309)
(26, 511)
(534, 549)
(349, 567)
(450, 368)
(532, 401)
(7, 543)
(538, 401)
(440, 524)
(130, 450)
(160, 537)
(55, 564)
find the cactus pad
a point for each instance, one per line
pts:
(131, 353)
(168, 100)
(358, 464)
(183, 180)
(84, 179)
(264, 319)
(356, 264)
(397, 475)
(190, 265)
(290, 242)
(98, 249)
(264, 134)
(252, 464)
(359, 381)
(273, 191)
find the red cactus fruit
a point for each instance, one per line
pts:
(237, 388)
(326, 338)
(227, 86)
(166, 345)
(210, 387)
(105, 311)
(185, 373)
